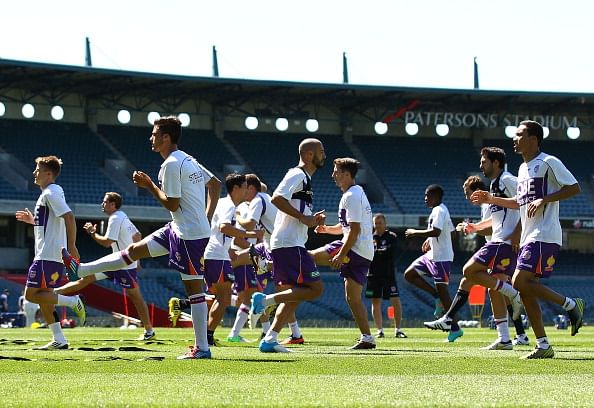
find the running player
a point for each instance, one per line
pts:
(352, 255)
(543, 180)
(182, 184)
(54, 226)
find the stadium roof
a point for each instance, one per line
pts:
(53, 81)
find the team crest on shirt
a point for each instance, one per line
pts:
(527, 255)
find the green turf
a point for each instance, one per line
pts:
(418, 371)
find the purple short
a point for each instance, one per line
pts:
(538, 258)
(184, 255)
(217, 271)
(126, 278)
(293, 266)
(499, 257)
(439, 271)
(245, 278)
(355, 268)
(45, 274)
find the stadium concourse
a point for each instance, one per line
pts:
(98, 122)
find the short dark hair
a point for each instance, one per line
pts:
(347, 164)
(170, 125)
(380, 215)
(534, 129)
(234, 179)
(115, 198)
(253, 180)
(475, 183)
(50, 163)
(435, 188)
(494, 153)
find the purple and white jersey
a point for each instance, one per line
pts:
(242, 211)
(181, 176)
(486, 214)
(263, 212)
(49, 227)
(289, 232)
(219, 244)
(354, 207)
(504, 220)
(121, 230)
(541, 176)
(441, 246)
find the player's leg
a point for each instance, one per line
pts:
(376, 312)
(352, 291)
(217, 311)
(139, 303)
(76, 286)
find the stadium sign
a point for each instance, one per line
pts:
(486, 120)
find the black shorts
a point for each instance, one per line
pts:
(381, 288)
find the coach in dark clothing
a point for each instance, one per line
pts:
(381, 279)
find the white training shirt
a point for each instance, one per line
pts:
(242, 210)
(441, 246)
(288, 231)
(354, 207)
(49, 227)
(504, 220)
(219, 244)
(263, 212)
(121, 230)
(181, 176)
(486, 214)
(541, 176)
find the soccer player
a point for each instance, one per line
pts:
(182, 184)
(381, 279)
(54, 226)
(543, 180)
(218, 272)
(352, 254)
(438, 257)
(495, 261)
(295, 272)
(120, 233)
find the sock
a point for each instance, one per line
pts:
(112, 262)
(518, 324)
(569, 304)
(367, 338)
(271, 336)
(295, 332)
(459, 300)
(199, 320)
(265, 327)
(269, 300)
(455, 326)
(57, 332)
(382, 330)
(240, 319)
(505, 289)
(502, 329)
(542, 343)
(69, 301)
(233, 301)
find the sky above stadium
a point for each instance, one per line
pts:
(519, 45)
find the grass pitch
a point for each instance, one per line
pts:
(107, 367)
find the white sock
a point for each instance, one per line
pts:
(265, 326)
(502, 329)
(69, 301)
(57, 332)
(542, 343)
(506, 289)
(367, 338)
(569, 304)
(240, 319)
(271, 336)
(294, 326)
(199, 312)
(269, 300)
(233, 301)
(112, 262)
